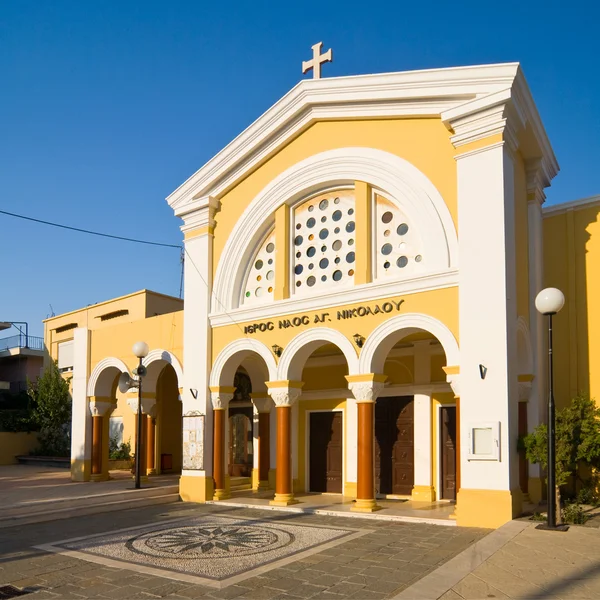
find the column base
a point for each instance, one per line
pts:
(487, 508)
(81, 469)
(283, 500)
(151, 472)
(365, 506)
(99, 477)
(221, 495)
(423, 493)
(195, 489)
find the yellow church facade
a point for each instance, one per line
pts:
(361, 266)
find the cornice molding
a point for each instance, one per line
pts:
(556, 209)
(412, 93)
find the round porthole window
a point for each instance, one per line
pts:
(337, 275)
(418, 258)
(323, 219)
(323, 248)
(258, 265)
(298, 254)
(336, 230)
(402, 229)
(311, 266)
(270, 247)
(259, 292)
(350, 242)
(323, 204)
(350, 211)
(336, 245)
(298, 225)
(337, 215)
(298, 240)
(324, 233)
(248, 294)
(311, 281)
(337, 260)
(402, 262)
(323, 277)
(270, 275)
(336, 201)
(310, 223)
(324, 263)
(311, 251)
(386, 265)
(311, 237)
(386, 249)
(351, 272)
(298, 269)
(350, 257)
(350, 227)
(386, 233)
(270, 261)
(298, 283)
(387, 217)
(311, 208)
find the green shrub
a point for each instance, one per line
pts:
(573, 513)
(118, 451)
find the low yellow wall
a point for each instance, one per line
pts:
(15, 444)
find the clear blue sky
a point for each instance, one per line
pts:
(107, 106)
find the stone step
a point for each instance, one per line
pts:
(64, 508)
(237, 484)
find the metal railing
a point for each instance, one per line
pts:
(22, 341)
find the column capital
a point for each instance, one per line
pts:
(367, 387)
(453, 378)
(220, 396)
(284, 393)
(262, 401)
(148, 405)
(101, 407)
(537, 180)
(198, 216)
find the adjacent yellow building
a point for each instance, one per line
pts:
(360, 275)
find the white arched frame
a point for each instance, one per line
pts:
(390, 332)
(401, 181)
(102, 378)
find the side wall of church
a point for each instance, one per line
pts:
(572, 264)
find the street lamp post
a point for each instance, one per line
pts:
(140, 349)
(548, 302)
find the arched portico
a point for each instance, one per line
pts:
(252, 360)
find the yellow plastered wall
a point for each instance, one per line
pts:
(13, 444)
(572, 264)
(399, 369)
(327, 377)
(441, 304)
(423, 142)
(438, 399)
(303, 409)
(437, 362)
(521, 239)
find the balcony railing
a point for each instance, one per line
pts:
(22, 341)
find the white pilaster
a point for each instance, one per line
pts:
(422, 414)
(81, 421)
(487, 311)
(351, 439)
(196, 329)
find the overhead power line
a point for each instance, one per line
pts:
(99, 234)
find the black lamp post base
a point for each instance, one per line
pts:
(546, 527)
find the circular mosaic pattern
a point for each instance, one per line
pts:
(210, 541)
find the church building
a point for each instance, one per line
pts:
(361, 265)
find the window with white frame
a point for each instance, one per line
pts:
(261, 278)
(65, 356)
(323, 243)
(397, 251)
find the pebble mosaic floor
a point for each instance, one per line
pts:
(212, 550)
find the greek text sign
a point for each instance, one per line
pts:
(389, 306)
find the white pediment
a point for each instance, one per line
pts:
(434, 92)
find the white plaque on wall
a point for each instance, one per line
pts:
(193, 441)
(484, 441)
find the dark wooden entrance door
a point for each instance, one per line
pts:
(448, 450)
(325, 464)
(394, 445)
(240, 441)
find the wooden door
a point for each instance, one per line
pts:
(448, 451)
(326, 450)
(523, 463)
(394, 445)
(240, 441)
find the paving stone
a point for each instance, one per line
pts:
(233, 591)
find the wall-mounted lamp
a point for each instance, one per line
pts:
(194, 393)
(482, 371)
(359, 340)
(277, 350)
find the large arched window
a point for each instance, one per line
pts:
(323, 249)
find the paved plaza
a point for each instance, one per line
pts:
(304, 556)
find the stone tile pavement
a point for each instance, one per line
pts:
(382, 562)
(518, 561)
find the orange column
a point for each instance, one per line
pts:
(150, 445)
(365, 485)
(97, 427)
(264, 450)
(219, 454)
(283, 477)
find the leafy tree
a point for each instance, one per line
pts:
(577, 440)
(51, 411)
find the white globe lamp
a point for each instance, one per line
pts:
(140, 349)
(549, 301)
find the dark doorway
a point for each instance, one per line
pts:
(448, 451)
(523, 462)
(241, 416)
(325, 464)
(394, 445)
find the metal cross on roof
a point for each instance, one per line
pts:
(317, 60)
